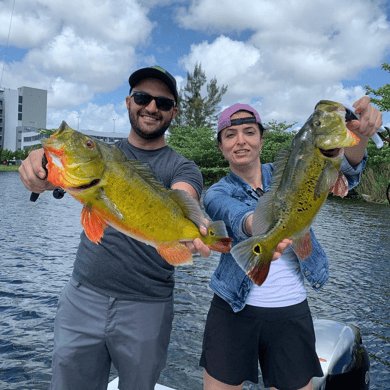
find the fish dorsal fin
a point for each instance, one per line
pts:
(189, 206)
(146, 173)
(264, 215)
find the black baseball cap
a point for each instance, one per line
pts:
(154, 72)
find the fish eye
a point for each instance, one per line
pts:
(317, 123)
(89, 143)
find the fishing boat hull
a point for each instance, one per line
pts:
(113, 385)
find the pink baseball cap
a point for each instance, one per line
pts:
(225, 121)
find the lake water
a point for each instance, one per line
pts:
(38, 243)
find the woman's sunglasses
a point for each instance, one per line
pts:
(144, 99)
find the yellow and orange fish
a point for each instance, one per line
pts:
(126, 195)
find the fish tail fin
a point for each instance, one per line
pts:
(252, 257)
(217, 230)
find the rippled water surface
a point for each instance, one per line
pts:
(38, 243)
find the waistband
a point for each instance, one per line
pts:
(265, 313)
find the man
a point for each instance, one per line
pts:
(118, 305)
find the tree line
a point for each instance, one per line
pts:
(8, 155)
(193, 134)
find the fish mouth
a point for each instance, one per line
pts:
(331, 153)
(83, 187)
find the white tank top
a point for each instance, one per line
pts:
(284, 285)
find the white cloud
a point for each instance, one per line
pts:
(224, 57)
(82, 60)
(92, 117)
(74, 54)
(295, 55)
(30, 25)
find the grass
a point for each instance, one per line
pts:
(9, 168)
(375, 184)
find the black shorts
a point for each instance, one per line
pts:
(281, 339)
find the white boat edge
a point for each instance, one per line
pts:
(113, 385)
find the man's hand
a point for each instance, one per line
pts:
(197, 245)
(32, 173)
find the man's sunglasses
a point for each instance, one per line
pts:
(144, 99)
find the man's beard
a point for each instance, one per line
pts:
(158, 133)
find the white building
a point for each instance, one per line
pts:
(8, 118)
(22, 113)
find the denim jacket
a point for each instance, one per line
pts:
(232, 200)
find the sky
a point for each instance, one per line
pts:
(280, 56)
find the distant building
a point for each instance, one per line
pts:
(22, 113)
(8, 118)
(109, 138)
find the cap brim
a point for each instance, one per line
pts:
(145, 73)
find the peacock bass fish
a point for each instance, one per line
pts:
(127, 195)
(303, 176)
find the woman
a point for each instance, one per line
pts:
(272, 323)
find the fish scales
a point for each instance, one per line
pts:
(303, 176)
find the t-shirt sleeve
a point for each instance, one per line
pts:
(188, 172)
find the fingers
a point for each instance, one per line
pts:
(281, 247)
(205, 227)
(197, 246)
(370, 118)
(32, 173)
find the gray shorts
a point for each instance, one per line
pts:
(92, 330)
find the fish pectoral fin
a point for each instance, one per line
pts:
(302, 246)
(340, 187)
(112, 207)
(93, 224)
(325, 181)
(175, 253)
(253, 259)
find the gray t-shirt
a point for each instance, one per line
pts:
(122, 267)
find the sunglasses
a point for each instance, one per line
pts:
(144, 99)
